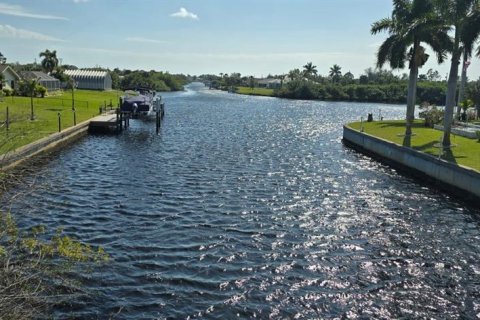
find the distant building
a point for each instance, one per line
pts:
(10, 77)
(49, 82)
(269, 83)
(89, 79)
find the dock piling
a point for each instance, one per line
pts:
(7, 121)
(59, 122)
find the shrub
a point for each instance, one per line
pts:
(431, 114)
(7, 92)
(31, 277)
(40, 90)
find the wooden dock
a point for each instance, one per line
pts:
(109, 122)
(116, 121)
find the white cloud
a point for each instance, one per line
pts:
(183, 13)
(18, 11)
(146, 40)
(7, 31)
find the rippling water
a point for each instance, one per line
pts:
(251, 207)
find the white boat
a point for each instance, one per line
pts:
(142, 104)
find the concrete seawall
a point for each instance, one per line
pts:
(448, 176)
(56, 140)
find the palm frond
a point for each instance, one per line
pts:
(471, 30)
(420, 8)
(385, 24)
(441, 43)
(393, 50)
(398, 54)
(402, 9)
(384, 50)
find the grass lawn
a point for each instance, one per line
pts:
(466, 152)
(255, 91)
(23, 131)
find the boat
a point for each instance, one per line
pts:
(142, 103)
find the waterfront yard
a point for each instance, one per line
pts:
(466, 151)
(23, 131)
(255, 91)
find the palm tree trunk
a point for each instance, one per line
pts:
(451, 91)
(411, 95)
(461, 91)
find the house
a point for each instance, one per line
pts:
(90, 79)
(269, 83)
(49, 82)
(10, 77)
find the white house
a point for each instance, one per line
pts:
(270, 83)
(10, 77)
(89, 79)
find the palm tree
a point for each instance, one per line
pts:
(455, 13)
(50, 60)
(335, 73)
(413, 22)
(295, 74)
(309, 70)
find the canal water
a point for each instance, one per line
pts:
(251, 207)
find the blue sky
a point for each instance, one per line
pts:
(199, 36)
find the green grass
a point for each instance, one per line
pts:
(23, 131)
(255, 91)
(466, 152)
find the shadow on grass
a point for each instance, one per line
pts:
(407, 141)
(400, 124)
(449, 156)
(56, 110)
(426, 146)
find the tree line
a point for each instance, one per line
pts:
(121, 79)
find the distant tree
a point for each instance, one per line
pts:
(433, 75)
(422, 77)
(49, 61)
(295, 74)
(59, 73)
(3, 60)
(348, 78)
(363, 79)
(69, 67)
(115, 74)
(251, 82)
(380, 76)
(335, 73)
(309, 70)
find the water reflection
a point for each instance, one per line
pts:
(251, 207)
